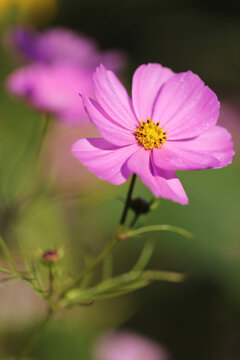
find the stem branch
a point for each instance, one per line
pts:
(109, 247)
(97, 261)
(35, 335)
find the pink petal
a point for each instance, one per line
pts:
(115, 60)
(104, 159)
(175, 156)
(216, 142)
(53, 88)
(113, 98)
(64, 45)
(147, 82)
(186, 106)
(108, 128)
(213, 149)
(161, 183)
(60, 44)
(127, 346)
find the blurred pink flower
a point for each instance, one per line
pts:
(63, 65)
(127, 346)
(64, 45)
(230, 117)
(54, 89)
(169, 124)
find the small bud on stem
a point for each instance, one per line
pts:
(50, 256)
(140, 206)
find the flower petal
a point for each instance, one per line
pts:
(114, 60)
(216, 142)
(113, 98)
(104, 159)
(63, 45)
(213, 149)
(186, 106)
(107, 127)
(175, 156)
(161, 183)
(56, 44)
(147, 82)
(53, 88)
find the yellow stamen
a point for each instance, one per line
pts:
(150, 135)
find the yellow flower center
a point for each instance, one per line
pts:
(150, 135)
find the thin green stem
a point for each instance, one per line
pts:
(96, 262)
(128, 200)
(134, 220)
(107, 263)
(51, 281)
(8, 256)
(163, 227)
(107, 266)
(34, 337)
(12, 210)
(109, 247)
(5, 271)
(46, 123)
(124, 283)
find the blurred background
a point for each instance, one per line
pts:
(198, 319)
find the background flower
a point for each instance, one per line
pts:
(64, 45)
(127, 346)
(62, 66)
(53, 89)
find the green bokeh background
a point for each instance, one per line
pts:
(198, 319)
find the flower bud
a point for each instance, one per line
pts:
(50, 256)
(140, 206)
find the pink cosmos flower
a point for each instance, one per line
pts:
(64, 45)
(169, 124)
(63, 65)
(127, 346)
(53, 89)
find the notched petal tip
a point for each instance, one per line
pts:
(100, 69)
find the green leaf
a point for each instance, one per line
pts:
(145, 256)
(120, 292)
(155, 204)
(152, 228)
(122, 284)
(8, 256)
(25, 256)
(5, 271)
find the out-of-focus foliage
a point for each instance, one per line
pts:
(31, 10)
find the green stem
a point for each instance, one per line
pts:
(123, 284)
(107, 266)
(134, 220)
(34, 337)
(51, 281)
(8, 256)
(5, 271)
(46, 123)
(109, 247)
(12, 210)
(152, 228)
(128, 200)
(96, 262)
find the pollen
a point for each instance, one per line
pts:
(150, 135)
